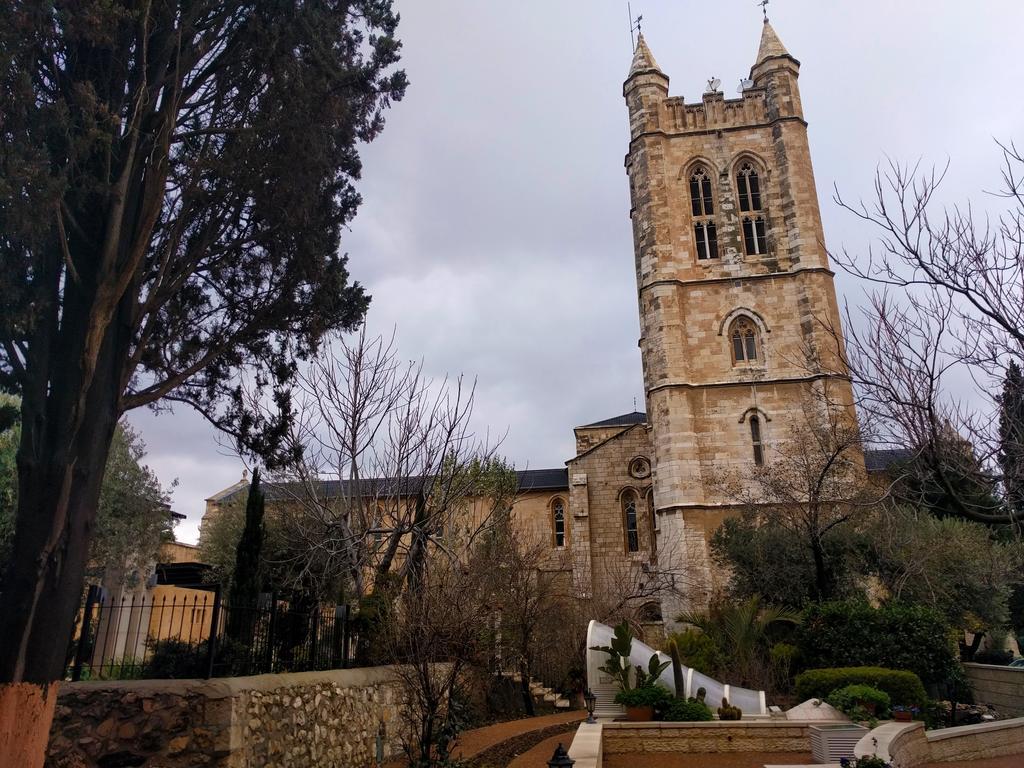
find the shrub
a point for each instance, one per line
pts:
(687, 711)
(860, 702)
(699, 651)
(902, 687)
(650, 696)
(895, 636)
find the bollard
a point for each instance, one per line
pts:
(561, 758)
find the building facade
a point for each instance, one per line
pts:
(739, 330)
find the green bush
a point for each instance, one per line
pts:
(903, 687)
(687, 711)
(895, 636)
(698, 651)
(650, 696)
(860, 702)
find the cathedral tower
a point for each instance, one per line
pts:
(735, 292)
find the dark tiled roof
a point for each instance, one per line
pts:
(880, 459)
(529, 480)
(625, 420)
(544, 479)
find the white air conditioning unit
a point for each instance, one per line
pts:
(831, 743)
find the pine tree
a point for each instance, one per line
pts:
(1011, 437)
(246, 582)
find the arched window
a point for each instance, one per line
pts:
(743, 337)
(748, 189)
(629, 516)
(558, 522)
(703, 206)
(755, 440)
(748, 185)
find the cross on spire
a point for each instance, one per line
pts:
(764, 8)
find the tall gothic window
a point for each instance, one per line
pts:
(755, 440)
(629, 515)
(703, 207)
(558, 522)
(748, 189)
(743, 336)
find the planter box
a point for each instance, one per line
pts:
(831, 743)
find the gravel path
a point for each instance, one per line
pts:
(539, 755)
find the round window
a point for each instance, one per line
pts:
(640, 467)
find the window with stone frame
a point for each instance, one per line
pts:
(631, 521)
(745, 342)
(756, 440)
(558, 522)
(748, 193)
(702, 205)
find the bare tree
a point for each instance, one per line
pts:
(947, 316)
(812, 481)
(383, 467)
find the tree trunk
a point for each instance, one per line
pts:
(524, 687)
(822, 580)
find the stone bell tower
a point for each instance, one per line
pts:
(736, 296)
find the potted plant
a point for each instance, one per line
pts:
(639, 689)
(904, 713)
(641, 703)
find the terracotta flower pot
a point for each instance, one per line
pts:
(904, 717)
(640, 714)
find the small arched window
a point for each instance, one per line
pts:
(558, 522)
(755, 440)
(743, 337)
(630, 521)
(703, 207)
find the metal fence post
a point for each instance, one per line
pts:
(83, 639)
(214, 626)
(314, 644)
(271, 630)
(345, 637)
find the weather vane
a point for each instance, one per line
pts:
(634, 24)
(764, 8)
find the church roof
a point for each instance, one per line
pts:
(529, 480)
(643, 59)
(880, 459)
(625, 420)
(771, 46)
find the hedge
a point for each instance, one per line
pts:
(894, 636)
(687, 711)
(904, 688)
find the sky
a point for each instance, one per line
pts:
(494, 234)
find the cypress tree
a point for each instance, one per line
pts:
(1011, 437)
(246, 582)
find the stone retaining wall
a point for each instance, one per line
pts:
(907, 745)
(717, 736)
(1002, 687)
(297, 720)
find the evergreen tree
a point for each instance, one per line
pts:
(1011, 437)
(246, 582)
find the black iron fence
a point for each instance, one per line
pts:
(194, 633)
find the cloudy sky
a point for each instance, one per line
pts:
(495, 235)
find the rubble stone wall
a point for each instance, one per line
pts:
(300, 719)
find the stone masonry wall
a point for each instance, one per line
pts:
(321, 719)
(628, 738)
(1002, 687)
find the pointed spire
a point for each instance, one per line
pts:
(771, 46)
(643, 59)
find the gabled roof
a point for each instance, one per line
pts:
(625, 420)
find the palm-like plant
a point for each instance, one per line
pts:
(741, 632)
